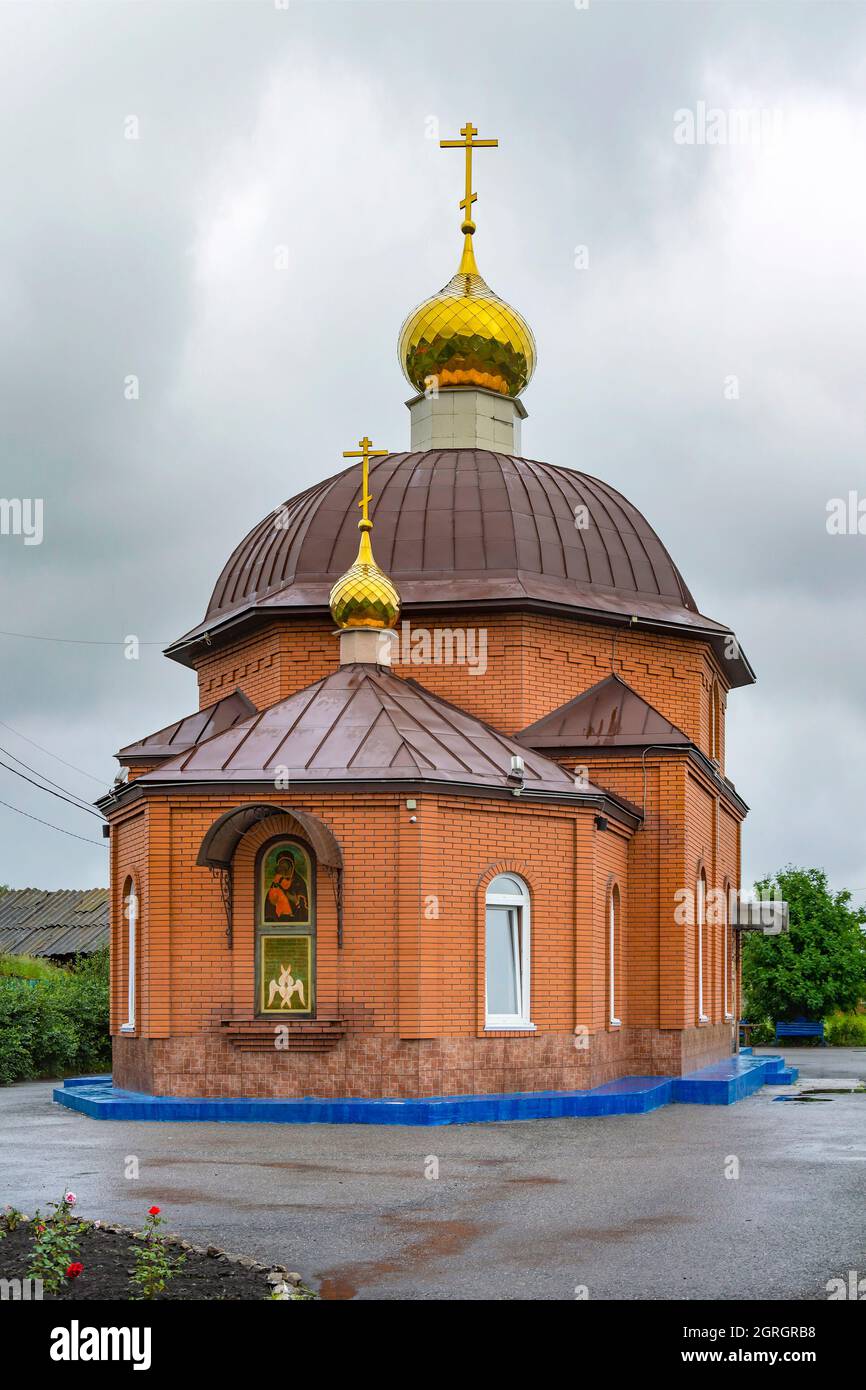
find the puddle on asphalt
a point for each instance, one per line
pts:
(805, 1100)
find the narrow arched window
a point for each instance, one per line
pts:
(715, 722)
(130, 905)
(614, 954)
(728, 955)
(507, 953)
(701, 926)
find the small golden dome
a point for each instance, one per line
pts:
(365, 596)
(467, 336)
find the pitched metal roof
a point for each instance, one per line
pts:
(365, 724)
(35, 922)
(192, 729)
(608, 715)
(463, 526)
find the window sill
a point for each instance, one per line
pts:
(127, 1028)
(509, 1027)
(703, 1020)
(614, 1024)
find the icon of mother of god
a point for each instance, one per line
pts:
(287, 898)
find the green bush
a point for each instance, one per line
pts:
(762, 1033)
(54, 1026)
(846, 1030)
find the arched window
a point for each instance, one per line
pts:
(130, 905)
(614, 954)
(730, 988)
(507, 955)
(701, 925)
(715, 722)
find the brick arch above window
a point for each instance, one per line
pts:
(613, 881)
(504, 866)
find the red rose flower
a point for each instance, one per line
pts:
(73, 1270)
(154, 1211)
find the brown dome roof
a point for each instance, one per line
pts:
(461, 527)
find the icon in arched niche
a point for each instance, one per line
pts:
(286, 885)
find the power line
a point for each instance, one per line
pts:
(51, 826)
(99, 780)
(85, 805)
(79, 641)
(59, 795)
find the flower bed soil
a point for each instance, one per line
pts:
(108, 1254)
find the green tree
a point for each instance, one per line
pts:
(819, 965)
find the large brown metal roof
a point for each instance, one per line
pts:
(461, 527)
(363, 724)
(192, 729)
(608, 715)
(36, 922)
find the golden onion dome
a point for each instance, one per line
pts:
(467, 336)
(364, 596)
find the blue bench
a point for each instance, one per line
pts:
(801, 1028)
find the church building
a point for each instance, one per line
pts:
(452, 811)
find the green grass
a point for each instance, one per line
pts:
(27, 968)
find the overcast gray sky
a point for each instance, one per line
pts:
(308, 126)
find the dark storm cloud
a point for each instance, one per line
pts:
(305, 128)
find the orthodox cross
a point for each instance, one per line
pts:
(365, 452)
(468, 143)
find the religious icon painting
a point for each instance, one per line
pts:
(285, 885)
(285, 975)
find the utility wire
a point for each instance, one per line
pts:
(51, 825)
(78, 641)
(56, 756)
(59, 795)
(85, 804)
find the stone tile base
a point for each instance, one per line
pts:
(369, 1064)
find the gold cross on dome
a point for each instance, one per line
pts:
(365, 451)
(468, 143)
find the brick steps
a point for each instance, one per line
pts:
(298, 1035)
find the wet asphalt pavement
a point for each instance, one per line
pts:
(632, 1207)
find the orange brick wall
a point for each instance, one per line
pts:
(403, 967)
(412, 964)
(411, 971)
(686, 822)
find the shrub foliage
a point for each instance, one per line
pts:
(57, 1024)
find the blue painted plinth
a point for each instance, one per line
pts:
(723, 1083)
(631, 1095)
(731, 1080)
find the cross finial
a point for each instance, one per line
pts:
(365, 451)
(468, 143)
